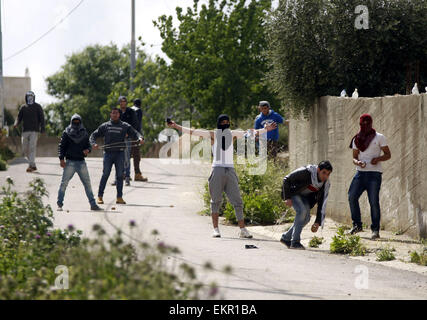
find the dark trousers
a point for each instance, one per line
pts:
(136, 154)
(116, 158)
(272, 149)
(371, 183)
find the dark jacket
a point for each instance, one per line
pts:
(138, 113)
(70, 150)
(114, 135)
(71, 147)
(129, 116)
(32, 117)
(298, 181)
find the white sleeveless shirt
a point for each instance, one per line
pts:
(221, 158)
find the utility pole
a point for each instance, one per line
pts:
(1, 76)
(133, 50)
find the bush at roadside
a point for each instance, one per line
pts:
(100, 268)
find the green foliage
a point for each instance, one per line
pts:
(343, 243)
(3, 165)
(386, 254)
(419, 257)
(159, 93)
(316, 242)
(5, 153)
(215, 55)
(315, 50)
(83, 85)
(261, 195)
(101, 268)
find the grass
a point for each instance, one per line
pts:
(386, 254)
(419, 258)
(343, 243)
(316, 242)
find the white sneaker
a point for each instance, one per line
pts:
(244, 234)
(216, 233)
(60, 209)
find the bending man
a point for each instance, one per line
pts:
(302, 190)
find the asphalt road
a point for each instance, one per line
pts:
(169, 203)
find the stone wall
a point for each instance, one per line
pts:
(327, 135)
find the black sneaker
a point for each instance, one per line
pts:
(96, 208)
(297, 246)
(286, 242)
(355, 230)
(375, 235)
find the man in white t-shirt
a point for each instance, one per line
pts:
(370, 148)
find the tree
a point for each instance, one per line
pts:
(316, 50)
(84, 83)
(216, 55)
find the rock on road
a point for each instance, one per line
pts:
(170, 202)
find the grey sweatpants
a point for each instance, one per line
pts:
(225, 180)
(29, 146)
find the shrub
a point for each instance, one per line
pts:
(100, 268)
(386, 254)
(315, 242)
(343, 243)
(419, 257)
(3, 165)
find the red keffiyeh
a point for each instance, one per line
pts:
(366, 135)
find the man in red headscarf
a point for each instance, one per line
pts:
(369, 150)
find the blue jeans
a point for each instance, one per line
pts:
(371, 183)
(116, 158)
(302, 208)
(70, 169)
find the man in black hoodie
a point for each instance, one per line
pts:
(73, 149)
(32, 116)
(114, 133)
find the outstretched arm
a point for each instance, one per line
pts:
(240, 133)
(195, 132)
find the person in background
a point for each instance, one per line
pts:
(267, 117)
(114, 133)
(32, 117)
(136, 150)
(368, 146)
(302, 190)
(73, 149)
(128, 116)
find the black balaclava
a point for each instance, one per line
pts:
(225, 142)
(77, 133)
(137, 103)
(30, 98)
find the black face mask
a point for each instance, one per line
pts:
(225, 142)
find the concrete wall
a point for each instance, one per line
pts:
(327, 135)
(15, 89)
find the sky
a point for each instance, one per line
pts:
(93, 22)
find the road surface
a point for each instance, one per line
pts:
(170, 203)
